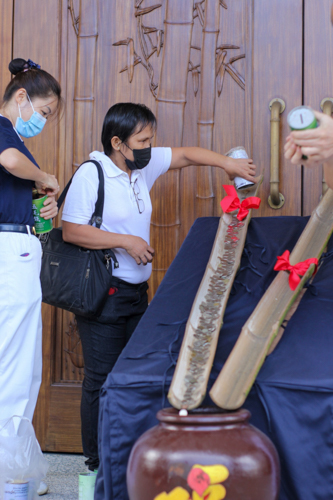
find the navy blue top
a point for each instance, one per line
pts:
(15, 193)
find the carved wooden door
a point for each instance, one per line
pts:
(209, 70)
(317, 83)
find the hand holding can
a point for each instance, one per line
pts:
(238, 153)
(302, 118)
(41, 225)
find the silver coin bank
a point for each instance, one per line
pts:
(238, 153)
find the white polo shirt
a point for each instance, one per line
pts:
(121, 212)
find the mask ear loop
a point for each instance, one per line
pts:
(33, 109)
(30, 105)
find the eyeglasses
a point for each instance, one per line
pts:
(139, 201)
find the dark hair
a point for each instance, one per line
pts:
(36, 81)
(123, 120)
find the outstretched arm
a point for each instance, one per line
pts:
(184, 157)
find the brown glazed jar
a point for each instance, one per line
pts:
(207, 455)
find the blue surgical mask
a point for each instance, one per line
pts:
(33, 126)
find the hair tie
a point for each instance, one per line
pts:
(31, 65)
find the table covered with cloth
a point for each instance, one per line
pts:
(292, 398)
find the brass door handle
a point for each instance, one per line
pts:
(275, 199)
(327, 108)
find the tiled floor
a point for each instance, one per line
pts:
(63, 476)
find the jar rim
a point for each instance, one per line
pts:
(209, 415)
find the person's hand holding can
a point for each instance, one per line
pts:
(316, 143)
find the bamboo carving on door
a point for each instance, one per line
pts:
(84, 25)
(187, 44)
(185, 60)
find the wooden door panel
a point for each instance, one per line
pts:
(277, 73)
(6, 22)
(318, 81)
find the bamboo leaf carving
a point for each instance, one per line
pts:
(75, 19)
(195, 76)
(74, 344)
(235, 75)
(159, 41)
(144, 34)
(199, 12)
(147, 10)
(222, 66)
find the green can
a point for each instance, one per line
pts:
(41, 225)
(302, 118)
(87, 482)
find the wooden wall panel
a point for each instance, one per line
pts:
(43, 49)
(6, 49)
(277, 73)
(318, 81)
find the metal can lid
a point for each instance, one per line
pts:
(238, 152)
(301, 117)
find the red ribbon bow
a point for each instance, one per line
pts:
(296, 271)
(231, 202)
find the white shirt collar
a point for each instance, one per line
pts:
(110, 168)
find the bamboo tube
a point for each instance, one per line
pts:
(171, 100)
(189, 383)
(205, 194)
(84, 81)
(242, 366)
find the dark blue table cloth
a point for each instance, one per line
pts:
(292, 399)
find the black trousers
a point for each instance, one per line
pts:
(103, 339)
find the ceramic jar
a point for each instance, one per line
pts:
(207, 455)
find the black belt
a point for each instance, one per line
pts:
(121, 283)
(17, 228)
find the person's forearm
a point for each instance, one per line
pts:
(198, 156)
(242, 167)
(19, 165)
(91, 237)
(328, 172)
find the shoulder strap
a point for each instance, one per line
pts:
(97, 216)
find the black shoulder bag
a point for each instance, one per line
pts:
(72, 277)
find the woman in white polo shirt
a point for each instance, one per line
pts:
(130, 168)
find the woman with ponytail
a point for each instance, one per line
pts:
(31, 97)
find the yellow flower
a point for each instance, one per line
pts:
(214, 492)
(176, 494)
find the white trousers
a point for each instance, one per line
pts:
(20, 324)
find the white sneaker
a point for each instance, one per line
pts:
(43, 488)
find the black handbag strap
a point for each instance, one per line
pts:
(97, 216)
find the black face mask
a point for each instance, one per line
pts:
(141, 158)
